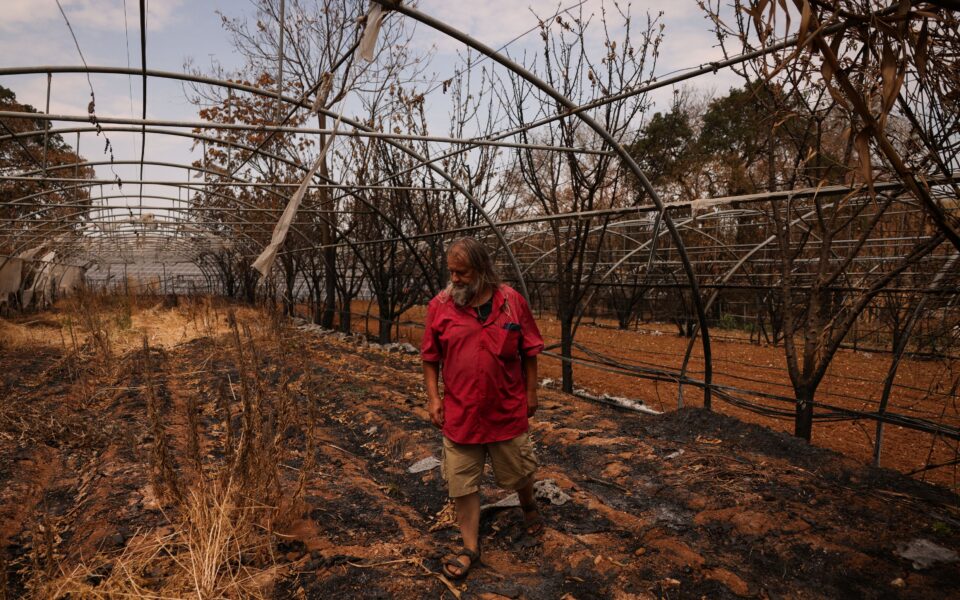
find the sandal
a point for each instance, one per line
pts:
(533, 526)
(453, 560)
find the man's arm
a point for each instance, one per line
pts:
(431, 380)
(530, 377)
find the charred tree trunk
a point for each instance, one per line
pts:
(289, 280)
(330, 286)
(346, 317)
(803, 421)
(386, 325)
(566, 350)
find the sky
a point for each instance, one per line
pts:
(33, 32)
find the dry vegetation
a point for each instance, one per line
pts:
(151, 448)
(212, 473)
(924, 388)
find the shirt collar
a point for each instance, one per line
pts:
(498, 302)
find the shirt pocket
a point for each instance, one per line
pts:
(509, 347)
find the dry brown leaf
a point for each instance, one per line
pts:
(826, 69)
(888, 75)
(836, 95)
(920, 51)
(805, 14)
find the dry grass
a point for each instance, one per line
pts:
(111, 324)
(30, 333)
(221, 514)
(205, 556)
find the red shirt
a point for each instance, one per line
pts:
(484, 392)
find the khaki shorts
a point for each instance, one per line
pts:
(513, 464)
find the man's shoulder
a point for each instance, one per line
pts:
(509, 293)
(440, 299)
(506, 289)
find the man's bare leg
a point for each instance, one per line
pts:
(468, 517)
(531, 514)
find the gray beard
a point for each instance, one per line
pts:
(462, 295)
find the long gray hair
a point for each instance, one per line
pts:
(476, 255)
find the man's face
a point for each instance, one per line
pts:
(463, 277)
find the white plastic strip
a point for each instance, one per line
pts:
(266, 259)
(371, 30)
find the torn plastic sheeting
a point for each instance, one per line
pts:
(617, 401)
(508, 502)
(70, 280)
(422, 465)
(701, 205)
(266, 259)
(39, 291)
(11, 274)
(149, 220)
(189, 228)
(924, 553)
(545, 489)
(55, 276)
(371, 31)
(28, 261)
(31, 253)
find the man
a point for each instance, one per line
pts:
(481, 333)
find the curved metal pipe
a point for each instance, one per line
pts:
(292, 101)
(603, 133)
(189, 134)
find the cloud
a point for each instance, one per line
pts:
(499, 21)
(688, 41)
(101, 15)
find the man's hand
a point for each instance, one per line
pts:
(431, 381)
(436, 412)
(530, 377)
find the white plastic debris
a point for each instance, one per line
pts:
(70, 280)
(265, 261)
(508, 502)
(547, 489)
(618, 401)
(358, 339)
(11, 270)
(924, 553)
(371, 30)
(424, 464)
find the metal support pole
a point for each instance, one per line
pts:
(46, 126)
(280, 60)
(230, 111)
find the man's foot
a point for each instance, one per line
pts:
(532, 519)
(455, 567)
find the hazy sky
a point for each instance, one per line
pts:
(33, 32)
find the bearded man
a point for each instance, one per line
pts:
(481, 335)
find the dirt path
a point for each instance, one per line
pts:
(685, 505)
